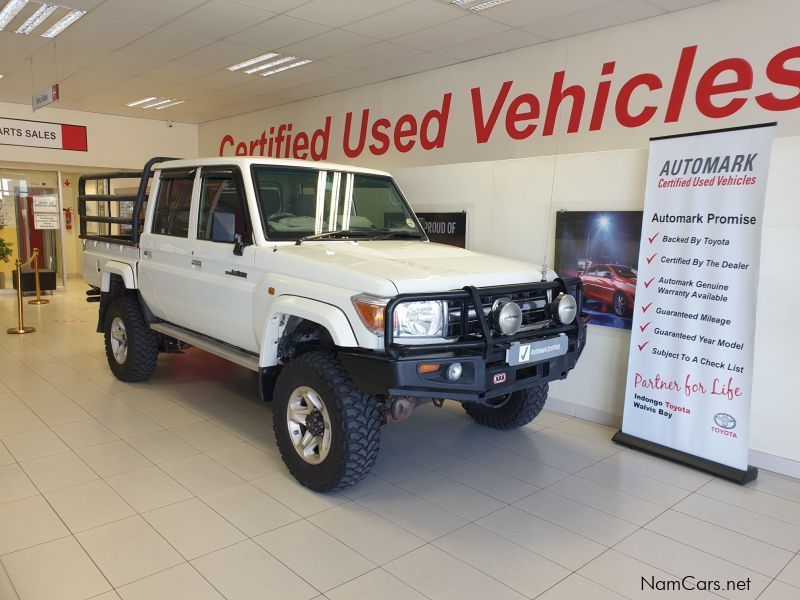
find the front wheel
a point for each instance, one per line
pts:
(131, 346)
(510, 411)
(327, 431)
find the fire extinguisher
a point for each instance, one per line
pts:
(68, 218)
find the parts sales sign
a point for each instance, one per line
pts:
(41, 134)
(691, 355)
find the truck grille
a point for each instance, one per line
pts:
(533, 303)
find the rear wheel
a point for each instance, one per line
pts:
(327, 431)
(131, 346)
(510, 411)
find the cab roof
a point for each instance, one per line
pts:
(245, 162)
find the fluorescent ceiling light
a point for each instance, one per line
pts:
(1, 75)
(252, 61)
(36, 19)
(159, 103)
(287, 67)
(10, 11)
(142, 101)
(272, 63)
(461, 2)
(64, 23)
(485, 5)
(175, 103)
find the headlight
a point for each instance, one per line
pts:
(565, 308)
(419, 319)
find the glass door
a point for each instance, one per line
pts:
(30, 219)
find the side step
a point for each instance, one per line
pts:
(221, 349)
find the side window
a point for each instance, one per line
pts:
(223, 212)
(173, 204)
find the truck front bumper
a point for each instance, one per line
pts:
(482, 377)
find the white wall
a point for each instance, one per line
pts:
(507, 185)
(116, 142)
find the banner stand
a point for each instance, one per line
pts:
(698, 462)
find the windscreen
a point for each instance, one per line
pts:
(296, 203)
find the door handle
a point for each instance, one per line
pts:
(147, 254)
(196, 262)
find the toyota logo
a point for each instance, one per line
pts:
(725, 420)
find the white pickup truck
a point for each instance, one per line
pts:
(320, 278)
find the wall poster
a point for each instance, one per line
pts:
(602, 248)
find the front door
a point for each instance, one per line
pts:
(222, 288)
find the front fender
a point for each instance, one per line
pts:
(330, 317)
(122, 269)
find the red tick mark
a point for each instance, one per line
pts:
(641, 346)
(649, 260)
(643, 327)
(647, 283)
(644, 308)
(651, 239)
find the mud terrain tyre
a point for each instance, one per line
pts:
(511, 411)
(327, 431)
(131, 346)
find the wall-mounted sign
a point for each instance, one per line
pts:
(45, 204)
(45, 97)
(446, 228)
(41, 134)
(45, 221)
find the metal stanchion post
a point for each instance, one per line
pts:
(20, 324)
(39, 299)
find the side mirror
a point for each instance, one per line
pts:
(238, 245)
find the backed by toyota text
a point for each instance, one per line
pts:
(320, 278)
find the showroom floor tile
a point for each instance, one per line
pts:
(173, 489)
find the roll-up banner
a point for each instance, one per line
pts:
(690, 366)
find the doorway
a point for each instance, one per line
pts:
(30, 218)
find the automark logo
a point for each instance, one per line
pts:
(725, 420)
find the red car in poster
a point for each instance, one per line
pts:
(613, 285)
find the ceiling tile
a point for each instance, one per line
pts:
(491, 44)
(176, 72)
(69, 57)
(671, 5)
(412, 64)
(370, 56)
(219, 18)
(218, 80)
(330, 43)
(152, 12)
(460, 30)
(125, 64)
(336, 14)
(273, 5)
(167, 45)
(277, 32)
(14, 47)
(519, 13)
(218, 55)
(405, 19)
(623, 11)
(101, 32)
(311, 72)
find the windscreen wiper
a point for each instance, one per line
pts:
(398, 234)
(337, 233)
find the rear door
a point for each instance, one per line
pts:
(224, 279)
(165, 267)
